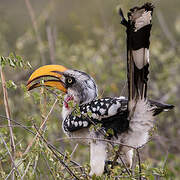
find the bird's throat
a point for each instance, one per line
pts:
(66, 101)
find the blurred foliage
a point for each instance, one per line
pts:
(84, 35)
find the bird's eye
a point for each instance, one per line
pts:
(69, 80)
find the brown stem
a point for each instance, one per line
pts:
(30, 131)
(7, 109)
(139, 161)
(55, 154)
(42, 125)
(35, 26)
(50, 43)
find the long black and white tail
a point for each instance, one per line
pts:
(138, 34)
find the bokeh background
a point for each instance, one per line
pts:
(86, 35)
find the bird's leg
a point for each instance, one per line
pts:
(129, 157)
(97, 157)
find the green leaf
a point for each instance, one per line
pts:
(11, 63)
(110, 131)
(10, 84)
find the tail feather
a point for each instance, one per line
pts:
(138, 34)
(159, 107)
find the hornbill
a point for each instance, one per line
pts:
(110, 113)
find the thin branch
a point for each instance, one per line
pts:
(12, 160)
(112, 144)
(133, 164)
(124, 164)
(19, 124)
(6, 104)
(3, 126)
(98, 139)
(139, 161)
(35, 26)
(43, 123)
(12, 170)
(118, 155)
(26, 170)
(5, 153)
(47, 164)
(30, 131)
(50, 43)
(73, 162)
(165, 160)
(165, 29)
(123, 89)
(74, 150)
(52, 150)
(108, 141)
(35, 165)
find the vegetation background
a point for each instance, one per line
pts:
(84, 35)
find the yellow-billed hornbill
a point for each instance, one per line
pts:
(110, 112)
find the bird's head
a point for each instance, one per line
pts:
(77, 85)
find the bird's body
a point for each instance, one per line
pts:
(109, 114)
(117, 119)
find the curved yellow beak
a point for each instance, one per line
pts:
(55, 71)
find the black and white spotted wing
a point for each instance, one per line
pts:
(108, 111)
(111, 112)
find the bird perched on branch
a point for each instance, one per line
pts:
(109, 113)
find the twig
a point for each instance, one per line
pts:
(165, 160)
(47, 164)
(98, 139)
(112, 144)
(139, 161)
(3, 126)
(64, 158)
(30, 131)
(26, 169)
(116, 156)
(105, 140)
(6, 104)
(50, 43)
(133, 164)
(127, 170)
(73, 162)
(43, 123)
(165, 29)
(35, 26)
(123, 89)
(52, 150)
(119, 156)
(74, 150)
(19, 124)
(12, 160)
(4, 154)
(12, 170)
(35, 164)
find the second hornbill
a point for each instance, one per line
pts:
(110, 112)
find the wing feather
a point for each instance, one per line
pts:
(110, 112)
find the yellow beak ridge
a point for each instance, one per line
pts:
(55, 71)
